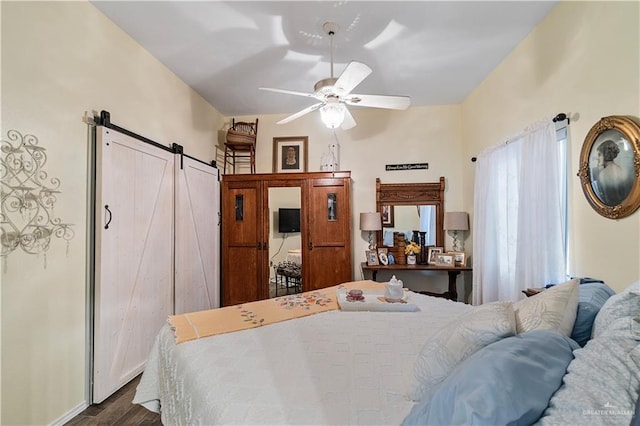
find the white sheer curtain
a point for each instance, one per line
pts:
(519, 216)
(428, 223)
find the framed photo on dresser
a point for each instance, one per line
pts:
(432, 254)
(372, 258)
(459, 258)
(444, 259)
(382, 256)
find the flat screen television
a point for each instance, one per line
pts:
(288, 220)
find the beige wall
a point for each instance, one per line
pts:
(583, 60)
(60, 59)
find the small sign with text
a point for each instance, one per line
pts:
(412, 166)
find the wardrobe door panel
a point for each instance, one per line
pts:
(328, 252)
(240, 280)
(329, 266)
(197, 236)
(134, 256)
(242, 244)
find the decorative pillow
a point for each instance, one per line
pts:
(602, 382)
(621, 305)
(457, 340)
(507, 382)
(591, 298)
(553, 309)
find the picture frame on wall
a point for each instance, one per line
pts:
(609, 166)
(387, 216)
(290, 154)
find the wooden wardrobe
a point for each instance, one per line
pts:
(325, 216)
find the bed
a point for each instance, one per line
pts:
(441, 363)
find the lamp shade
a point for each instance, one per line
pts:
(370, 221)
(456, 221)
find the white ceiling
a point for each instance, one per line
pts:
(436, 52)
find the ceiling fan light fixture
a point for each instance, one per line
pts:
(332, 114)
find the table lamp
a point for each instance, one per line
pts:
(456, 221)
(370, 222)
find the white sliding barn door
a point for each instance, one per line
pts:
(197, 236)
(134, 256)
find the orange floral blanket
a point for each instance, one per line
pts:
(195, 325)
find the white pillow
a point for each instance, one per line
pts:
(553, 309)
(602, 383)
(621, 305)
(456, 341)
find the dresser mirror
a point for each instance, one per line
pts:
(408, 207)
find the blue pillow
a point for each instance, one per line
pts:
(507, 382)
(635, 420)
(591, 297)
(585, 280)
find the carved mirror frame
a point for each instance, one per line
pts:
(412, 194)
(623, 132)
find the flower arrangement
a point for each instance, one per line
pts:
(412, 248)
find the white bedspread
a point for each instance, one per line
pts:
(330, 368)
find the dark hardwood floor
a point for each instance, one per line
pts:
(117, 410)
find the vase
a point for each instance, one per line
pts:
(423, 248)
(411, 259)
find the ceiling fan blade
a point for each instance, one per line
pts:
(289, 92)
(379, 101)
(300, 113)
(348, 122)
(351, 77)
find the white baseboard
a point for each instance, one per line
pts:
(71, 414)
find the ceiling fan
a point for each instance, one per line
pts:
(334, 94)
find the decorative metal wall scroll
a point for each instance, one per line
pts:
(27, 218)
(610, 166)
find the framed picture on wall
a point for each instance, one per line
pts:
(387, 216)
(609, 166)
(290, 154)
